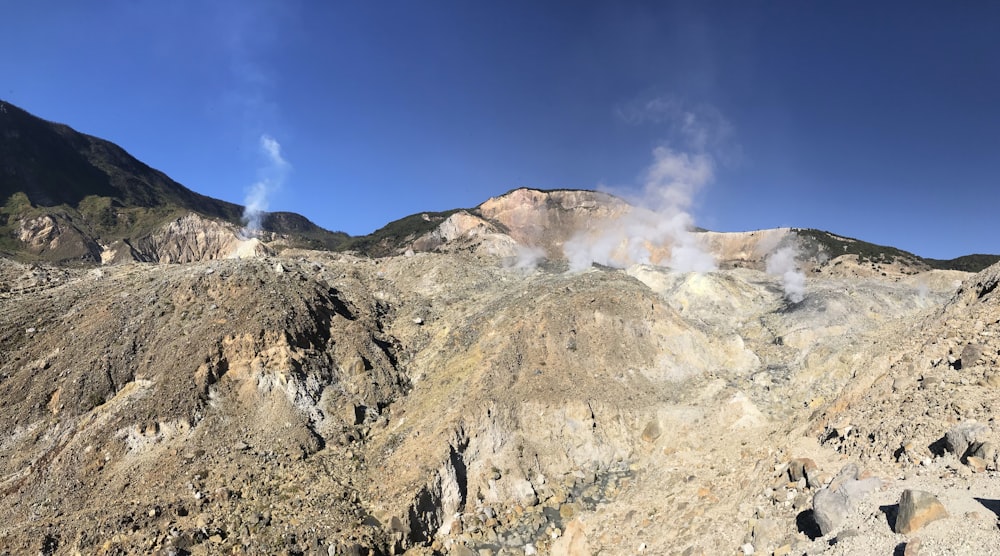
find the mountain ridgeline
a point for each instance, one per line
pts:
(68, 197)
(65, 194)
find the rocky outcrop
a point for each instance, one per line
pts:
(566, 225)
(465, 231)
(190, 238)
(55, 237)
(548, 219)
(194, 238)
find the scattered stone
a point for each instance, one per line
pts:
(971, 354)
(916, 509)
(804, 468)
(912, 547)
(978, 465)
(203, 520)
(652, 431)
(569, 511)
(461, 550)
(766, 533)
(928, 381)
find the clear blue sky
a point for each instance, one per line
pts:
(878, 120)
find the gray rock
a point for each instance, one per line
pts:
(961, 437)
(832, 505)
(984, 450)
(766, 533)
(848, 472)
(830, 508)
(971, 354)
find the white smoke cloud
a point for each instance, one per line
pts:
(526, 258)
(272, 176)
(662, 222)
(701, 127)
(782, 263)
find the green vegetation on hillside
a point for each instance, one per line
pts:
(968, 263)
(104, 193)
(387, 239)
(835, 246)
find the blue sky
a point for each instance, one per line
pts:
(877, 120)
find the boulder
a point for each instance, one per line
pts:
(831, 505)
(971, 354)
(961, 437)
(916, 509)
(652, 431)
(804, 468)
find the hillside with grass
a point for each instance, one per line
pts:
(820, 242)
(97, 192)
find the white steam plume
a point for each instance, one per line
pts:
(526, 258)
(782, 263)
(271, 177)
(662, 220)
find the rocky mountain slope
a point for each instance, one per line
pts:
(473, 391)
(71, 197)
(532, 225)
(447, 403)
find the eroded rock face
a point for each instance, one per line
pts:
(467, 231)
(56, 237)
(548, 219)
(193, 238)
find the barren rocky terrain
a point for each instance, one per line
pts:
(550, 372)
(457, 402)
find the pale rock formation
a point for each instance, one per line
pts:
(194, 238)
